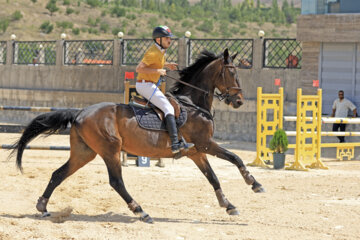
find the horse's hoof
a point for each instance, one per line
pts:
(41, 204)
(233, 212)
(147, 219)
(258, 189)
(45, 214)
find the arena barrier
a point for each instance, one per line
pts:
(35, 147)
(308, 130)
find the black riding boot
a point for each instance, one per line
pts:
(176, 145)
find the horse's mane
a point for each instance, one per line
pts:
(190, 73)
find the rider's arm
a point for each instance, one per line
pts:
(142, 68)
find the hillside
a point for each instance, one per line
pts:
(85, 22)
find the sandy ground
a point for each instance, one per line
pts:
(319, 204)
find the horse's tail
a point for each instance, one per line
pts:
(47, 123)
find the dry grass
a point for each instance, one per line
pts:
(34, 14)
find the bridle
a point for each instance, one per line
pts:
(226, 95)
(221, 96)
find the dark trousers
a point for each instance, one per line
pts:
(342, 127)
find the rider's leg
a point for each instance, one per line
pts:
(176, 145)
(159, 100)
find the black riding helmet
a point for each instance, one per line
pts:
(161, 31)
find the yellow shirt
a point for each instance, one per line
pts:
(155, 59)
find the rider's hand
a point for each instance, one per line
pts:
(162, 72)
(171, 66)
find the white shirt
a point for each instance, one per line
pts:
(342, 107)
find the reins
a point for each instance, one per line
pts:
(188, 84)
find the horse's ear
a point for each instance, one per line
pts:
(226, 54)
(234, 56)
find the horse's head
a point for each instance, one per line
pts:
(228, 82)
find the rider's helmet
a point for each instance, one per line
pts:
(162, 31)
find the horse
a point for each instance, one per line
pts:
(108, 128)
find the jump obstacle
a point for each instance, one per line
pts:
(308, 130)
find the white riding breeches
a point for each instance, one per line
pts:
(146, 89)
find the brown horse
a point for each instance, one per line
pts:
(108, 128)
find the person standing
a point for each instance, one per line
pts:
(340, 109)
(149, 70)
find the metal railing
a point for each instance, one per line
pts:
(89, 52)
(244, 48)
(3, 52)
(34, 52)
(134, 49)
(282, 53)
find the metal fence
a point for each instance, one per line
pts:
(90, 52)
(134, 49)
(282, 53)
(244, 48)
(34, 52)
(3, 52)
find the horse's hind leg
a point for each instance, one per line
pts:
(113, 165)
(80, 154)
(203, 164)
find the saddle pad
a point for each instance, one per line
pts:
(147, 118)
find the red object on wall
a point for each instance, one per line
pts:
(129, 75)
(277, 82)
(315, 83)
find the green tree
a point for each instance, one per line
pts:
(51, 6)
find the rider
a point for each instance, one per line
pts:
(149, 71)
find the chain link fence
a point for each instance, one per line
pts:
(34, 52)
(3, 52)
(89, 52)
(244, 48)
(133, 50)
(282, 53)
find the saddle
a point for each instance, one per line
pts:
(150, 117)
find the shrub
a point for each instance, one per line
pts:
(16, 16)
(206, 26)
(115, 30)
(46, 27)
(279, 142)
(104, 26)
(93, 3)
(69, 11)
(66, 2)
(64, 24)
(132, 32)
(131, 16)
(76, 31)
(4, 24)
(118, 11)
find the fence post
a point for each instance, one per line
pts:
(117, 53)
(9, 52)
(60, 44)
(182, 52)
(258, 53)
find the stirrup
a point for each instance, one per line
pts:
(181, 145)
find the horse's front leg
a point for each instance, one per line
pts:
(203, 164)
(214, 149)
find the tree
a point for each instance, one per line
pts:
(51, 6)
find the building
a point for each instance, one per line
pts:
(330, 35)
